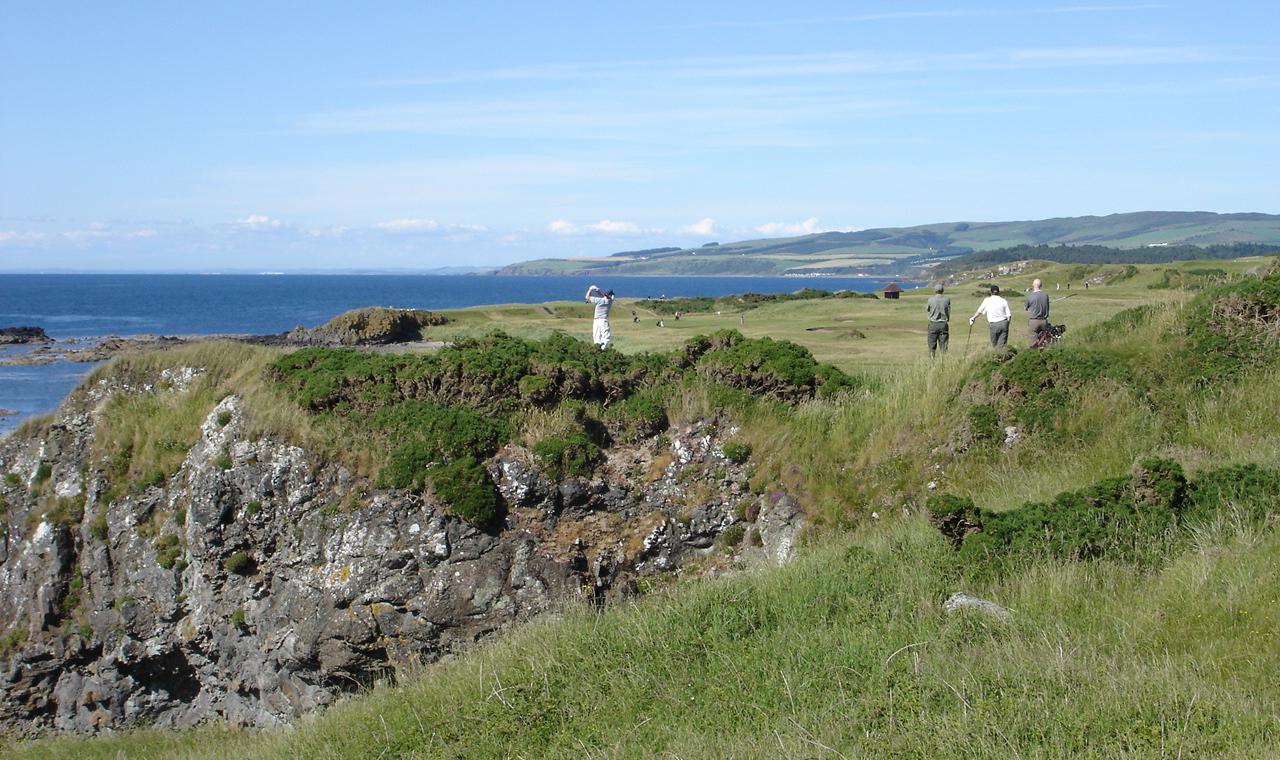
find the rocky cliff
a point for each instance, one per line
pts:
(261, 580)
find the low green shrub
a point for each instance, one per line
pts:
(12, 640)
(252, 508)
(1127, 518)
(12, 478)
(168, 547)
(72, 595)
(732, 536)
(737, 452)
(43, 471)
(1232, 328)
(571, 455)
(984, 422)
(66, 511)
(154, 478)
(224, 418)
(447, 429)
(466, 490)
(98, 525)
(640, 415)
(238, 563)
(237, 618)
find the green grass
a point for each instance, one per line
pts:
(844, 652)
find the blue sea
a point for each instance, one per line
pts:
(82, 306)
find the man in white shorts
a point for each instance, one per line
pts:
(603, 300)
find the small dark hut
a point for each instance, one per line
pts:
(892, 291)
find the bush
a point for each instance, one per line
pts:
(98, 525)
(12, 478)
(984, 422)
(1233, 328)
(466, 490)
(67, 511)
(237, 618)
(252, 508)
(238, 563)
(223, 461)
(1124, 518)
(448, 429)
(1253, 489)
(572, 455)
(155, 478)
(43, 471)
(224, 418)
(1040, 385)
(732, 536)
(638, 416)
(168, 547)
(72, 596)
(736, 452)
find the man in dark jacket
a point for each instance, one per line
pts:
(939, 310)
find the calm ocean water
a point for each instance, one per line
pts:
(74, 306)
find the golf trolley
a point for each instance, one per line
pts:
(1049, 335)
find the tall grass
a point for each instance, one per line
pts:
(845, 653)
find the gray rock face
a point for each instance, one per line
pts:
(260, 582)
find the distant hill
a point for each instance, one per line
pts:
(894, 250)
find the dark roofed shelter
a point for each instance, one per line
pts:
(892, 291)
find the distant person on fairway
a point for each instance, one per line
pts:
(998, 314)
(939, 311)
(603, 300)
(1037, 307)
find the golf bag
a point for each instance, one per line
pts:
(1049, 335)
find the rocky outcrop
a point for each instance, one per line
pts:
(11, 335)
(260, 582)
(88, 350)
(368, 327)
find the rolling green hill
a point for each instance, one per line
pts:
(896, 250)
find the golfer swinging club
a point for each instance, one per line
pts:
(603, 301)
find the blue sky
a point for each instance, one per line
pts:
(278, 136)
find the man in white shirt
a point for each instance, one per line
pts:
(998, 314)
(603, 300)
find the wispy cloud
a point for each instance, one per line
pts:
(604, 226)
(259, 222)
(927, 15)
(784, 101)
(807, 227)
(95, 232)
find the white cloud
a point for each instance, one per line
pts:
(807, 227)
(260, 222)
(706, 226)
(13, 236)
(409, 225)
(615, 228)
(604, 226)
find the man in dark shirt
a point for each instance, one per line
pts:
(1037, 306)
(939, 311)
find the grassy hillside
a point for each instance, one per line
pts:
(898, 249)
(1143, 623)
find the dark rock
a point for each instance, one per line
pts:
(266, 615)
(12, 335)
